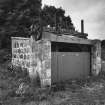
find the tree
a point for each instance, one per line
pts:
(56, 16)
(103, 50)
(16, 17)
(48, 15)
(20, 17)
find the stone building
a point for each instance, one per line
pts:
(57, 58)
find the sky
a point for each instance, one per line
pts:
(91, 11)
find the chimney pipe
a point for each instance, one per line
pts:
(82, 26)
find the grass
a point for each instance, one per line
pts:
(88, 91)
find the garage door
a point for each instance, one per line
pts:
(70, 61)
(73, 65)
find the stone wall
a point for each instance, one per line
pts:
(21, 52)
(96, 57)
(33, 55)
(41, 52)
(36, 57)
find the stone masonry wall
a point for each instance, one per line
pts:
(21, 52)
(33, 55)
(36, 57)
(41, 51)
(96, 57)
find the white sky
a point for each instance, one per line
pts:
(92, 11)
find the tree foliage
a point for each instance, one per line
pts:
(16, 17)
(56, 16)
(103, 50)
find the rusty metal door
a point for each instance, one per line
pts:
(69, 61)
(73, 65)
(69, 65)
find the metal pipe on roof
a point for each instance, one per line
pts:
(82, 26)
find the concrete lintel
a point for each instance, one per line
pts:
(65, 38)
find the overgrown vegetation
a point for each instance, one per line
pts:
(55, 17)
(17, 17)
(103, 50)
(17, 89)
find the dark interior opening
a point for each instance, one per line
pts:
(69, 47)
